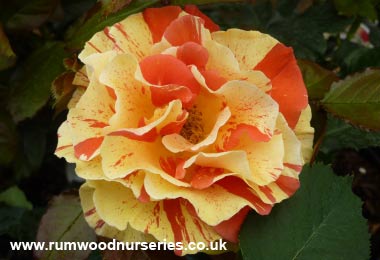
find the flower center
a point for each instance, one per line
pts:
(193, 130)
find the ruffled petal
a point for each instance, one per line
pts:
(227, 197)
(133, 101)
(162, 118)
(253, 113)
(177, 143)
(169, 220)
(86, 193)
(186, 28)
(169, 79)
(88, 118)
(123, 156)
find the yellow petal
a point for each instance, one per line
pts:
(65, 147)
(122, 156)
(133, 100)
(102, 228)
(221, 59)
(88, 118)
(305, 133)
(233, 161)
(265, 158)
(205, 201)
(249, 47)
(95, 63)
(253, 112)
(131, 35)
(170, 220)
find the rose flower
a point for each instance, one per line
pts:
(180, 129)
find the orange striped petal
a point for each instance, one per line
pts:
(253, 113)
(227, 197)
(158, 19)
(168, 220)
(102, 228)
(87, 120)
(288, 88)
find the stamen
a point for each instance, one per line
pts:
(193, 129)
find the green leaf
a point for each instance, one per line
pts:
(15, 197)
(30, 90)
(305, 32)
(317, 79)
(7, 56)
(32, 14)
(340, 134)
(10, 217)
(354, 57)
(364, 8)
(356, 99)
(322, 221)
(26, 227)
(64, 221)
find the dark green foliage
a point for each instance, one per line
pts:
(322, 221)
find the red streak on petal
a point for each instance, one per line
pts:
(196, 220)
(90, 212)
(95, 123)
(239, 188)
(288, 184)
(253, 132)
(62, 148)
(144, 196)
(156, 213)
(268, 192)
(85, 149)
(149, 136)
(192, 53)
(94, 47)
(229, 229)
(184, 29)
(288, 88)
(177, 221)
(109, 36)
(159, 18)
(111, 92)
(209, 24)
(99, 224)
(295, 167)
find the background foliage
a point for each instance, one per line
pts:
(337, 43)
